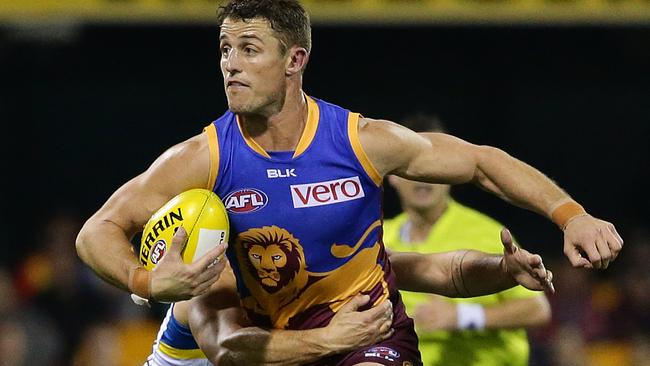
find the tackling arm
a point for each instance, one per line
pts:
(468, 273)
(220, 328)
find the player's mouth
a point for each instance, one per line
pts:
(236, 84)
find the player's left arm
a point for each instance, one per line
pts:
(469, 273)
(442, 158)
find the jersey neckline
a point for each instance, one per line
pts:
(308, 134)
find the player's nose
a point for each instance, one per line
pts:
(233, 64)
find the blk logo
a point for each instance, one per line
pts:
(280, 173)
(245, 200)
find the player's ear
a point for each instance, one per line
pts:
(297, 58)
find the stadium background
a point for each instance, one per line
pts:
(92, 91)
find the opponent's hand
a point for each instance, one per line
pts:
(436, 314)
(596, 239)
(350, 328)
(525, 268)
(174, 280)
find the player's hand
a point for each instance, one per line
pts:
(590, 242)
(174, 280)
(526, 269)
(350, 328)
(436, 314)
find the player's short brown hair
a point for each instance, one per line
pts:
(287, 17)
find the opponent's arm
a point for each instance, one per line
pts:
(468, 273)
(220, 328)
(441, 158)
(104, 241)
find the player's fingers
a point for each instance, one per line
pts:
(506, 239)
(212, 273)
(381, 311)
(388, 334)
(178, 241)
(612, 229)
(209, 258)
(591, 250)
(538, 267)
(355, 303)
(385, 328)
(549, 282)
(575, 257)
(535, 260)
(614, 240)
(604, 251)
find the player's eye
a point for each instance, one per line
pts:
(250, 51)
(224, 51)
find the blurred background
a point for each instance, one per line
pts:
(91, 91)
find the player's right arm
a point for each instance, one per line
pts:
(439, 158)
(221, 330)
(104, 241)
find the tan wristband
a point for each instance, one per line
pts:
(562, 214)
(140, 282)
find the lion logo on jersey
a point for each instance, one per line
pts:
(273, 265)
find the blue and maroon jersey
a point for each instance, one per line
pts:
(305, 224)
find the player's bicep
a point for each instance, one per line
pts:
(428, 157)
(445, 159)
(180, 168)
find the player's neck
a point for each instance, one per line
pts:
(282, 129)
(421, 221)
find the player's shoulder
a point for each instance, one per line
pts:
(189, 148)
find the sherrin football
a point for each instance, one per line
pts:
(203, 216)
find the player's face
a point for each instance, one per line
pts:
(253, 65)
(419, 196)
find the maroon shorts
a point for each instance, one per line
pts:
(400, 350)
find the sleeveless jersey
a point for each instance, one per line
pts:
(305, 224)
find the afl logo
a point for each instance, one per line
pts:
(158, 251)
(245, 200)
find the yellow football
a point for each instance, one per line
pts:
(203, 216)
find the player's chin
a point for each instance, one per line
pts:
(239, 106)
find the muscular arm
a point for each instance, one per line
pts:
(442, 274)
(104, 241)
(441, 158)
(468, 273)
(223, 333)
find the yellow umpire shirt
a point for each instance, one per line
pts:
(461, 227)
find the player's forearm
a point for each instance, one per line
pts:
(104, 247)
(256, 346)
(517, 182)
(422, 272)
(219, 326)
(464, 273)
(518, 313)
(474, 273)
